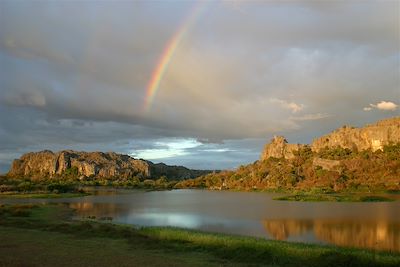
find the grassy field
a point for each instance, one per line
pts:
(44, 236)
(26, 247)
(334, 198)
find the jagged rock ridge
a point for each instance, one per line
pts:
(337, 168)
(279, 148)
(373, 137)
(94, 164)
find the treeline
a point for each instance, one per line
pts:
(24, 185)
(356, 171)
(70, 184)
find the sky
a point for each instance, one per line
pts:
(204, 84)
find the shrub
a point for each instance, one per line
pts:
(73, 171)
(60, 187)
(25, 186)
(148, 183)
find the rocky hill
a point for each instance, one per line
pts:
(279, 148)
(349, 158)
(47, 164)
(373, 136)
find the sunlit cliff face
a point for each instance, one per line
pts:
(367, 234)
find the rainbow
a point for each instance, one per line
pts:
(168, 53)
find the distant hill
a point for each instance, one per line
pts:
(94, 165)
(349, 158)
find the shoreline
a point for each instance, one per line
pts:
(287, 195)
(54, 222)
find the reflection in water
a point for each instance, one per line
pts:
(366, 234)
(282, 229)
(170, 219)
(85, 209)
(368, 225)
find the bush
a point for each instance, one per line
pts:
(60, 187)
(73, 171)
(25, 186)
(7, 188)
(392, 151)
(336, 153)
(148, 183)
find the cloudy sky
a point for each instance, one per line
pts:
(75, 75)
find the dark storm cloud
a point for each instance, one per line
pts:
(74, 74)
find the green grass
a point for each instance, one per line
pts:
(29, 247)
(392, 191)
(45, 236)
(308, 197)
(42, 195)
(279, 253)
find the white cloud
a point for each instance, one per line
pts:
(383, 105)
(167, 149)
(217, 150)
(311, 117)
(294, 107)
(152, 154)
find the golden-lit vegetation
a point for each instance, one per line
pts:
(364, 171)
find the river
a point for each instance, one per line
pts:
(367, 224)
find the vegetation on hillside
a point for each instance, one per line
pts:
(364, 171)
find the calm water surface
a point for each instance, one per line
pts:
(368, 225)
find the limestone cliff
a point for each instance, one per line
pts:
(293, 166)
(94, 164)
(372, 137)
(279, 148)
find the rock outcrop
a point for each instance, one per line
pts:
(372, 137)
(298, 167)
(94, 164)
(279, 148)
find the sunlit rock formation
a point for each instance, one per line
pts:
(279, 148)
(94, 164)
(373, 136)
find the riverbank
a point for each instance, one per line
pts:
(25, 188)
(302, 196)
(45, 195)
(308, 197)
(44, 235)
